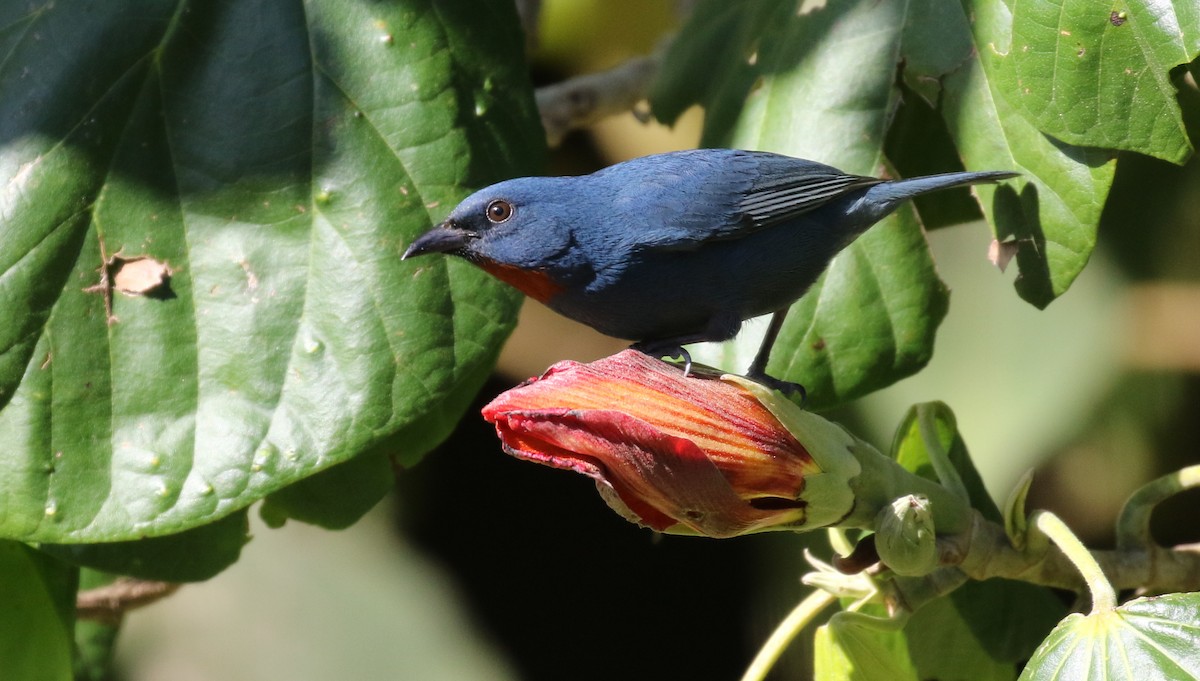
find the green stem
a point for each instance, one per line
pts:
(1104, 598)
(791, 626)
(1133, 524)
(985, 552)
(938, 457)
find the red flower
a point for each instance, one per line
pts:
(689, 455)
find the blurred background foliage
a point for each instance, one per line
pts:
(482, 567)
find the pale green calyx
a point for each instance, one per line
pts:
(905, 537)
(829, 494)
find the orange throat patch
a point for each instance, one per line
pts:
(535, 284)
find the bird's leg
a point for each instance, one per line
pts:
(666, 349)
(758, 368)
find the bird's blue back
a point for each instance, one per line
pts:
(686, 245)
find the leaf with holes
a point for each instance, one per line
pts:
(960, 53)
(1099, 75)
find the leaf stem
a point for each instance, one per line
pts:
(938, 457)
(791, 626)
(1104, 598)
(1133, 524)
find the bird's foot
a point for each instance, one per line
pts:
(670, 351)
(788, 388)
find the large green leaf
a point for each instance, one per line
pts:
(962, 49)
(1099, 75)
(277, 157)
(1147, 638)
(38, 615)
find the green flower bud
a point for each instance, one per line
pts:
(904, 536)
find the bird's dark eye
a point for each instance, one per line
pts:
(499, 210)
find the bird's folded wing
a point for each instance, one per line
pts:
(718, 195)
(788, 197)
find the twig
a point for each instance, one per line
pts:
(110, 602)
(581, 101)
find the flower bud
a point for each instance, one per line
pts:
(905, 538)
(681, 454)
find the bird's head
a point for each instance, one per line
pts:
(518, 231)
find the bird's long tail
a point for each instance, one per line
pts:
(900, 190)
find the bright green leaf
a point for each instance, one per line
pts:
(819, 83)
(38, 615)
(1054, 212)
(1147, 638)
(276, 158)
(1098, 74)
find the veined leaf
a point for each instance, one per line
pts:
(1146, 638)
(270, 160)
(1099, 75)
(1054, 212)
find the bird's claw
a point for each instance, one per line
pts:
(788, 388)
(684, 355)
(671, 352)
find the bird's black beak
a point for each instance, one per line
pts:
(444, 238)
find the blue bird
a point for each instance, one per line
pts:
(675, 248)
